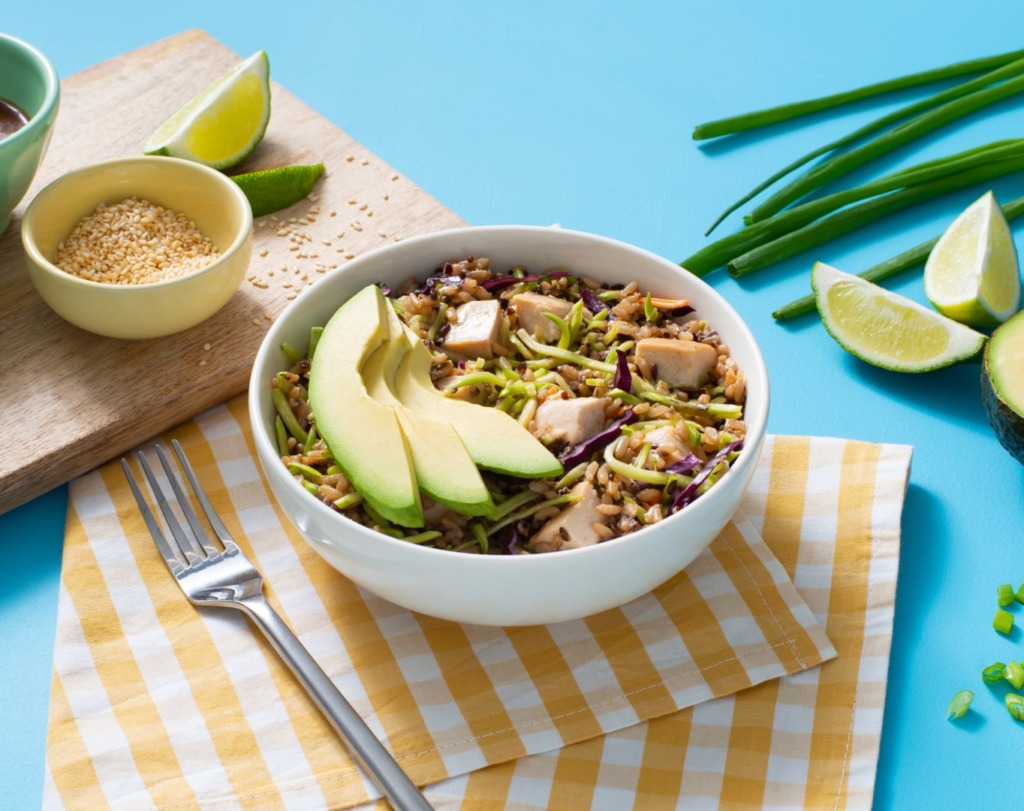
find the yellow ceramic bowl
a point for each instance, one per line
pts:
(214, 202)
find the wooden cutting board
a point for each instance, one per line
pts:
(71, 400)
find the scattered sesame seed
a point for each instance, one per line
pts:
(394, 176)
(349, 158)
(207, 346)
(365, 162)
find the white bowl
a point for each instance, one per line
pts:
(523, 589)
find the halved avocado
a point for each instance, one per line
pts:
(1002, 384)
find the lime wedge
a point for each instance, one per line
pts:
(971, 274)
(886, 329)
(271, 190)
(224, 123)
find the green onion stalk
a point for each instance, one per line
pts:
(1003, 69)
(854, 217)
(890, 267)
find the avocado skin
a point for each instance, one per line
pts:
(1007, 423)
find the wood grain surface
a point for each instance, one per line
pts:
(71, 400)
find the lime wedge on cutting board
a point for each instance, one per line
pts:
(972, 273)
(886, 329)
(271, 190)
(222, 125)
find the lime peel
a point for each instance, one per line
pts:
(886, 329)
(271, 190)
(972, 273)
(224, 123)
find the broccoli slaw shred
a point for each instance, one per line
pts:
(635, 394)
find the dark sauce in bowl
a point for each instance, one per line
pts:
(12, 118)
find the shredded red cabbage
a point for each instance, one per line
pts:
(512, 546)
(687, 464)
(592, 302)
(687, 494)
(496, 283)
(584, 450)
(623, 378)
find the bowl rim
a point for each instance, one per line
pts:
(753, 442)
(34, 210)
(37, 120)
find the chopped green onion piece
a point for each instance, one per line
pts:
(1018, 595)
(528, 511)
(1014, 674)
(1003, 621)
(474, 378)
(634, 473)
(960, 704)
(291, 353)
(481, 536)
(650, 311)
(285, 412)
(1004, 594)
(572, 476)
(420, 537)
(564, 354)
(308, 473)
(281, 435)
(311, 439)
(314, 339)
(1015, 705)
(348, 501)
(311, 488)
(994, 673)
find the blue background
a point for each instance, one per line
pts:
(580, 113)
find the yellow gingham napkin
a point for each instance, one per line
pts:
(157, 704)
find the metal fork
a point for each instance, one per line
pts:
(209, 576)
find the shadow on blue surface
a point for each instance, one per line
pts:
(952, 393)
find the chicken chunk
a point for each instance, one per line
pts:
(681, 364)
(573, 527)
(531, 307)
(574, 419)
(667, 443)
(475, 329)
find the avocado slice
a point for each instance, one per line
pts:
(364, 435)
(443, 466)
(1002, 384)
(495, 440)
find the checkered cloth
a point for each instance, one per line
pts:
(710, 688)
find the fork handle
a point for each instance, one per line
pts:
(365, 748)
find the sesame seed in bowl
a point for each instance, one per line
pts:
(138, 247)
(134, 241)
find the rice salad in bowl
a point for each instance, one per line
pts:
(625, 409)
(636, 396)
